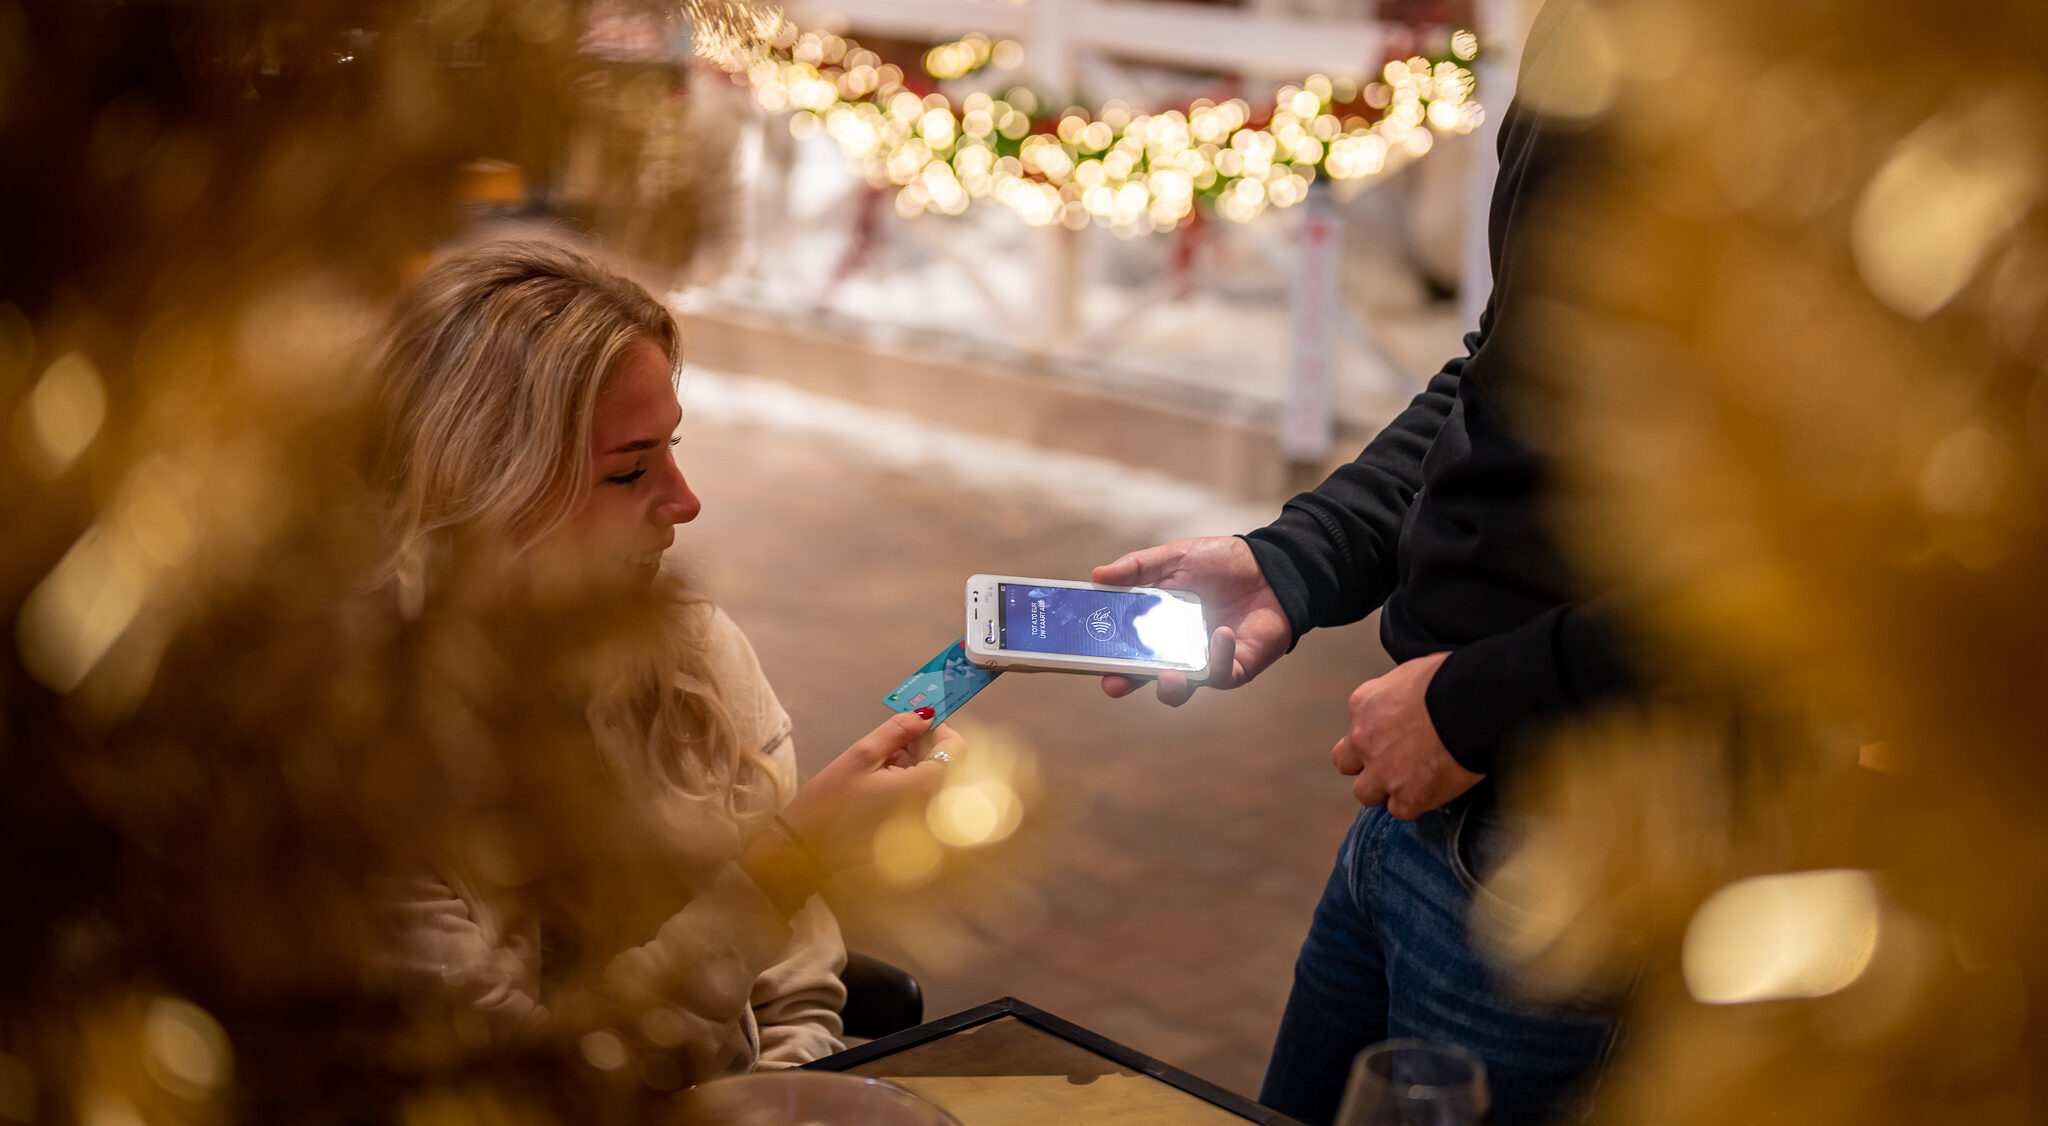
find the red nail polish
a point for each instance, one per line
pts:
(926, 713)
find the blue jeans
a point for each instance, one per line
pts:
(1388, 956)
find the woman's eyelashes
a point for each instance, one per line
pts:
(635, 475)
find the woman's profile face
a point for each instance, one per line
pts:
(637, 494)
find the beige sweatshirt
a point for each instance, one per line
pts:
(729, 983)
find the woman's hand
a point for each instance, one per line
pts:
(837, 811)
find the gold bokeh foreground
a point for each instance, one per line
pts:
(221, 733)
(1797, 326)
(1799, 307)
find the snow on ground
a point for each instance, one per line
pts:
(1143, 503)
(974, 277)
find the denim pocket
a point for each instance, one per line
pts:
(1362, 848)
(1458, 846)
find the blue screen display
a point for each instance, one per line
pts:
(1101, 623)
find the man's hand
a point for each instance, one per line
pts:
(1251, 629)
(1393, 749)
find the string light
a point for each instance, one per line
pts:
(970, 53)
(1132, 172)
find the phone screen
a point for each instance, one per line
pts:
(1101, 623)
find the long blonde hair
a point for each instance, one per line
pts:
(490, 364)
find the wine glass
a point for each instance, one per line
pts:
(1415, 1083)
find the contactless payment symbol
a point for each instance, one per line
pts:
(1102, 623)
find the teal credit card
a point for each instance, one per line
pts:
(943, 684)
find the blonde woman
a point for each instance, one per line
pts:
(529, 409)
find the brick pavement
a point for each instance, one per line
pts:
(1166, 870)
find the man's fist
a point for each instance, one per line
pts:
(1392, 750)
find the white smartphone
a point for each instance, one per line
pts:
(1058, 625)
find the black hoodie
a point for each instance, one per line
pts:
(1441, 520)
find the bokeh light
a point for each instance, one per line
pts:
(185, 1049)
(1775, 938)
(907, 854)
(1110, 154)
(974, 812)
(62, 415)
